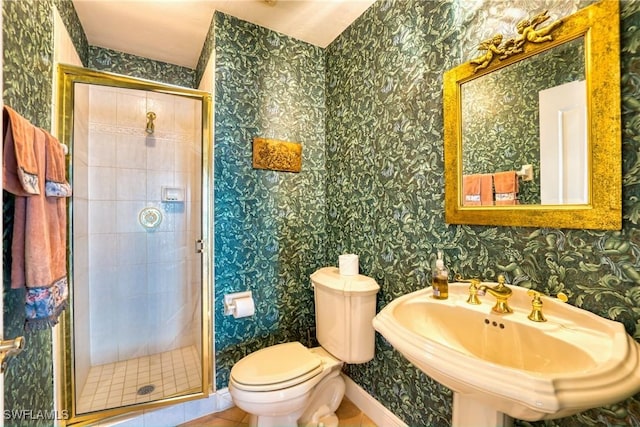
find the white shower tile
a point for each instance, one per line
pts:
(186, 110)
(102, 251)
(184, 160)
(161, 247)
(167, 247)
(132, 327)
(127, 216)
(163, 276)
(131, 152)
(80, 181)
(182, 180)
(194, 217)
(155, 181)
(132, 248)
(132, 281)
(163, 105)
(131, 184)
(162, 156)
(131, 110)
(196, 142)
(178, 214)
(183, 246)
(102, 217)
(102, 149)
(102, 101)
(171, 213)
(130, 346)
(102, 183)
(158, 297)
(80, 217)
(103, 349)
(195, 185)
(102, 295)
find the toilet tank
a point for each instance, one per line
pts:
(345, 307)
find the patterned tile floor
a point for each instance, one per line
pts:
(117, 384)
(348, 415)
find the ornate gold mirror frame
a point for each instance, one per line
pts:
(598, 24)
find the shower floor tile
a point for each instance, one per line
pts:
(121, 383)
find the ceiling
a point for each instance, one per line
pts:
(174, 31)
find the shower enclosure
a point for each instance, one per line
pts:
(138, 330)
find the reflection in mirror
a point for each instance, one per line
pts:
(494, 129)
(505, 118)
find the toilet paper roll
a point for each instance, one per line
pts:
(348, 265)
(243, 307)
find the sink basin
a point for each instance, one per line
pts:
(507, 365)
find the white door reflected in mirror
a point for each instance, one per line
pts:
(564, 163)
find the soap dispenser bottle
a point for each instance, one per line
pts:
(440, 279)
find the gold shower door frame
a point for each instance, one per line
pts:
(68, 76)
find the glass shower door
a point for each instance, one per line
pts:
(139, 294)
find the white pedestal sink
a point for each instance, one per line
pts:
(504, 366)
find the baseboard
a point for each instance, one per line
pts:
(174, 414)
(223, 400)
(370, 406)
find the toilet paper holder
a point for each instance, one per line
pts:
(229, 301)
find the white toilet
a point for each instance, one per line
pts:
(290, 384)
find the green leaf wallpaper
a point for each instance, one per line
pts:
(269, 226)
(27, 74)
(385, 191)
(135, 66)
(368, 112)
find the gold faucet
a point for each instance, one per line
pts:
(536, 305)
(473, 292)
(473, 288)
(502, 294)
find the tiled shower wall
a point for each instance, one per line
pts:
(142, 286)
(81, 230)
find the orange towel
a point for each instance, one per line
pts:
(486, 189)
(56, 184)
(19, 166)
(506, 186)
(477, 190)
(471, 190)
(40, 226)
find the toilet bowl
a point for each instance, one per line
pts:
(288, 385)
(291, 385)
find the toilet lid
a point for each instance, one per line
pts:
(289, 363)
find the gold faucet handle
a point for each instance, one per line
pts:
(536, 306)
(473, 292)
(458, 278)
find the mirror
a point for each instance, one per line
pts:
(544, 120)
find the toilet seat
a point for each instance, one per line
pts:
(277, 367)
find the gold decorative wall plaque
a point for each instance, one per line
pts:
(277, 155)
